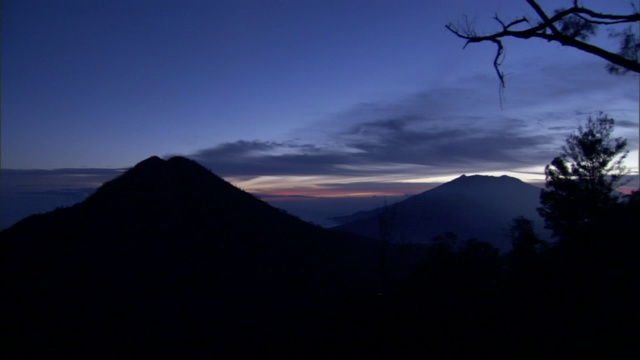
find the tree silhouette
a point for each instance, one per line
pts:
(580, 182)
(570, 27)
(523, 238)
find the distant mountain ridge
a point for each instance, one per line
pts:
(477, 206)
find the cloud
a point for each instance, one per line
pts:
(626, 124)
(406, 145)
(445, 144)
(256, 158)
(45, 181)
(436, 132)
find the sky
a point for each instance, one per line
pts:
(292, 97)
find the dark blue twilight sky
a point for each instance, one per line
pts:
(293, 96)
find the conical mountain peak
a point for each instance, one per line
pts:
(175, 197)
(151, 161)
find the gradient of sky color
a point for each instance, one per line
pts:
(295, 97)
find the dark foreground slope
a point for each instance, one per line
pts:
(171, 259)
(480, 207)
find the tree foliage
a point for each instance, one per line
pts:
(523, 238)
(569, 27)
(580, 183)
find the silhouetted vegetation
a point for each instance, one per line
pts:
(171, 261)
(580, 183)
(577, 297)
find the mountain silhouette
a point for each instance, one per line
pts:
(480, 207)
(170, 259)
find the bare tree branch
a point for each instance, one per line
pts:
(577, 24)
(544, 17)
(601, 22)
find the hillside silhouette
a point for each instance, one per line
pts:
(171, 261)
(170, 254)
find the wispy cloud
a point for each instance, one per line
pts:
(436, 132)
(398, 145)
(382, 151)
(49, 181)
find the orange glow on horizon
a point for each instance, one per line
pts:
(328, 186)
(326, 193)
